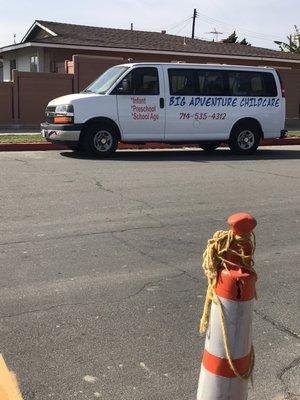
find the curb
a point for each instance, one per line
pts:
(291, 141)
(127, 146)
(31, 147)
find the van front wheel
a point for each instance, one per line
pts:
(244, 140)
(101, 140)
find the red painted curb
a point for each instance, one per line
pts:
(30, 147)
(127, 146)
(291, 141)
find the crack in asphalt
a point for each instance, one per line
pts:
(77, 235)
(123, 197)
(151, 257)
(84, 304)
(294, 364)
(265, 173)
(277, 325)
(138, 250)
(101, 187)
(148, 284)
(26, 162)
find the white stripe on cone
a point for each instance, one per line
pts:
(238, 316)
(213, 387)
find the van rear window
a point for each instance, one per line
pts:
(214, 82)
(252, 84)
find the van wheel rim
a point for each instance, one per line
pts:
(103, 141)
(246, 140)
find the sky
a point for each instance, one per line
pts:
(259, 21)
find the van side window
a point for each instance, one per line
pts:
(212, 83)
(270, 85)
(197, 82)
(182, 82)
(252, 84)
(141, 81)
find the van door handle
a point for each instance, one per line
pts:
(162, 102)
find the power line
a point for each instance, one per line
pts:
(187, 23)
(258, 34)
(209, 21)
(172, 27)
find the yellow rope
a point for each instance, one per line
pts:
(213, 261)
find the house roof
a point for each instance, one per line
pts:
(56, 33)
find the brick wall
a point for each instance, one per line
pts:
(87, 68)
(291, 84)
(34, 91)
(6, 103)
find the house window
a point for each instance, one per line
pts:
(34, 64)
(1, 71)
(57, 67)
(12, 65)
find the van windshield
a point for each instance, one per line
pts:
(105, 81)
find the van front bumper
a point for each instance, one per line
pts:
(64, 134)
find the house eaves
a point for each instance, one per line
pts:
(15, 47)
(145, 51)
(33, 26)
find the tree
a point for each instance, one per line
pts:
(244, 42)
(293, 45)
(234, 39)
(231, 38)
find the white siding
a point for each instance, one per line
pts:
(22, 58)
(23, 62)
(6, 70)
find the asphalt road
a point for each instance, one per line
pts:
(100, 280)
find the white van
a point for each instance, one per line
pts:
(170, 103)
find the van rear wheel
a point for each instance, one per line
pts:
(100, 140)
(209, 147)
(244, 139)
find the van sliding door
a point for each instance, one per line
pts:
(197, 104)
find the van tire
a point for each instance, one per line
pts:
(209, 147)
(100, 140)
(244, 139)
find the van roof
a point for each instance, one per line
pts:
(183, 65)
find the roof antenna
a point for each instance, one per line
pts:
(214, 33)
(15, 38)
(131, 26)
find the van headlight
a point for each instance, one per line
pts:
(64, 114)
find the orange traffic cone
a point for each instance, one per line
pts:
(228, 357)
(8, 383)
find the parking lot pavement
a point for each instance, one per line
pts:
(101, 283)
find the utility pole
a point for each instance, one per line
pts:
(194, 23)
